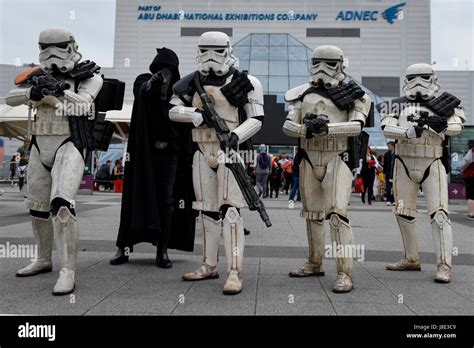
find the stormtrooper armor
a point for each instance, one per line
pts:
(325, 178)
(56, 166)
(218, 195)
(419, 162)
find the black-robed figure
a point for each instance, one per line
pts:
(158, 190)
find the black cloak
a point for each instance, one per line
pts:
(139, 218)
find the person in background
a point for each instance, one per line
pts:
(389, 158)
(287, 173)
(24, 156)
(103, 174)
(118, 170)
(295, 184)
(13, 167)
(263, 169)
(275, 178)
(467, 171)
(368, 171)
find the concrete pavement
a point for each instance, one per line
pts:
(140, 288)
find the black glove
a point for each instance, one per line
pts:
(418, 130)
(236, 91)
(36, 93)
(317, 125)
(437, 123)
(155, 80)
(232, 143)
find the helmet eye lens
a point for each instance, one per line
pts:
(332, 64)
(61, 45)
(220, 51)
(426, 77)
(203, 50)
(315, 61)
(410, 78)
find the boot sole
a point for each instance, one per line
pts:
(404, 270)
(33, 274)
(440, 281)
(64, 293)
(198, 279)
(230, 293)
(115, 263)
(316, 274)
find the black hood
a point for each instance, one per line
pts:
(165, 58)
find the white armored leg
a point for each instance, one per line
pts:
(443, 241)
(316, 243)
(411, 261)
(341, 234)
(67, 240)
(233, 231)
(43, 233)
(211, 230)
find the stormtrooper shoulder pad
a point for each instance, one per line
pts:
(185, 85)
(295, 93)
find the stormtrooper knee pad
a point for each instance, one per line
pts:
(233, 230)
(442, 237)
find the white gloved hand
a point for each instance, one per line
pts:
(197, 119)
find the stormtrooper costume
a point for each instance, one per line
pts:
(419, 162)
(56, 166)
(218, 195)
(325, 179)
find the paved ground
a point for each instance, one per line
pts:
(139, 287)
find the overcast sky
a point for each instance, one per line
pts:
(93, 23)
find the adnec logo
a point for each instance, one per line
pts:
(390, 14)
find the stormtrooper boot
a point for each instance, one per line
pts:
(212, 237)
(43, 233)
(67, 240)
(341, 234)
(411, 261)
(233, 230)
(314, 265)
(443, 241)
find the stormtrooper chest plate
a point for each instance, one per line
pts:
(316, 104)
(50, 116)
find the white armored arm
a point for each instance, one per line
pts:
(18, 96)
(184, 114)
(254, 112)
(293, 126)
(455, 123)
(87, 91)
(357, 117)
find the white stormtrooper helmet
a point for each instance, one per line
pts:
(328, 66)
(58, 48)
(420, 80)
(214, 53)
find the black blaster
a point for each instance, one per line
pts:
(48, 84)
(223, 134)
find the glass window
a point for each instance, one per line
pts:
(278, 84)
(259, 53)
(293, 42)
(278, 40)
(298, 53)
(260, 39)
(298, 68)
(258, 67)
(242, 64)
(278, 53)
(279, 67)
(242, 52)
(245, 41)
(296, 81)
(264, 81)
